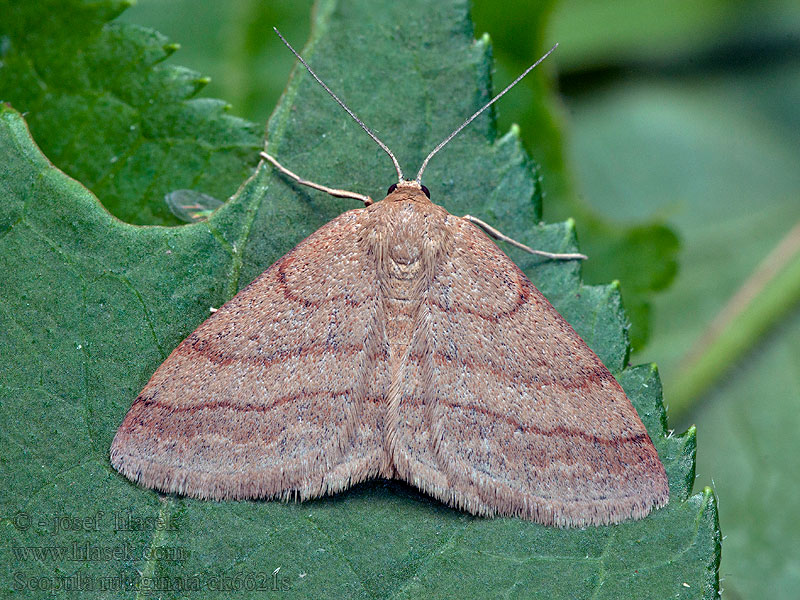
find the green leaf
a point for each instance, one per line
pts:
(105, 111)
(730, 134)
(752, 459)
(630, 31)
(642, 255)
(233, 42)
(93, 305)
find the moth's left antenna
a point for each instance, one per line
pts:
(344, 106)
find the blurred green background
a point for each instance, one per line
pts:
(678, 112)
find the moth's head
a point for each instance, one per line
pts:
(408, 190)
(404, 188)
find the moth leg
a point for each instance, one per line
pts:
(323, 188)
(504, 238)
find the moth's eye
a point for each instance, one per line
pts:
(392, 188)
(426, 192)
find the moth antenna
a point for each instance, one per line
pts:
(344, 106)
(473, 117)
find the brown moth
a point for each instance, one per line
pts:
(396, 341)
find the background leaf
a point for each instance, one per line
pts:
(690, 112)
(70, 69)
(641, 253)
(95, 305)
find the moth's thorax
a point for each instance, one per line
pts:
(407, 230)
(406, 235)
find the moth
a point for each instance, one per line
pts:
(396, 341)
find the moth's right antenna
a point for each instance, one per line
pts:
(441, 144)
(344, 106)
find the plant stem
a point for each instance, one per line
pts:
(768, 294)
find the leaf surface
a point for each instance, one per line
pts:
(106, 111)
(93, 306)
(732, 137)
